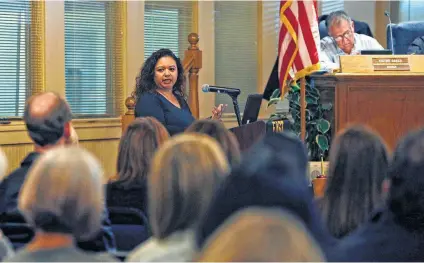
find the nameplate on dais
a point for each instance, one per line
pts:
(391, 64)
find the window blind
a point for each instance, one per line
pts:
(271, 20)
(167, 25)
(236, 54)
(411, 10)
(15, 20)
(328, 6)
(93, 59)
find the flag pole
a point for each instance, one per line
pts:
(302, 108)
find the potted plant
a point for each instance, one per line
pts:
(318, 129)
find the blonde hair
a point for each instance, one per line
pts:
(3, 164)
(263, 235)
(183, 178)
(63, 193)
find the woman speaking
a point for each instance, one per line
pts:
(160, 92)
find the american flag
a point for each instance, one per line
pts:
(299, 39)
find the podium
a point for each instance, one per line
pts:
(390, 102)
(248, 134)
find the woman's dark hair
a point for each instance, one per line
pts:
(136, 148)
(145, 81)
(358, 167)
(225, 138)
(406, 195)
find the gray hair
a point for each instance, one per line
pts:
(63, 193)
(336, 17)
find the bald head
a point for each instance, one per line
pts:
(46, 117)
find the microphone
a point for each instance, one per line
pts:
(391, 31)
(229, 91)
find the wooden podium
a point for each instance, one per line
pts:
(390, 102)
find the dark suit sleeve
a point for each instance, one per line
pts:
(150, 106)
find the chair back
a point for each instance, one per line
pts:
(403, 35)
(15, 228)
(129, 226)
(360, 27)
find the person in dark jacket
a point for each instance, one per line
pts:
(272, 174)
(417, 46)
(395, 232)
(47, 117)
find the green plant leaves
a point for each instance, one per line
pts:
(322, 142)
(323, 126)
(327, 106)
(275, 94)
(273, 101)
(294, 87)
(311, 100)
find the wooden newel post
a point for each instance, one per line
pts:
(130, 114)
(194, 56)
(302, 108)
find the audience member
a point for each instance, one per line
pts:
(395, 233)
(73, 137)
(358, 166)
(273, 173)
(48, 120)
(184, 175)
(342, 40)
(261, 235)
(62, 198)
(136, 148)
(225, 138)
(160, 91)
(6, 249)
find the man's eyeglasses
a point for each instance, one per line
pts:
(345, 35)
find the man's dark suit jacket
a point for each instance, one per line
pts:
(381, 239)
(9, 191)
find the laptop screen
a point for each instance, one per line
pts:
(251, 110)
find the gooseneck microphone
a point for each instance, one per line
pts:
(391, 31)
(217, 89)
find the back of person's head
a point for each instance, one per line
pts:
(63, 193)
(271, 174)
(406, 195)
(47, 117)
(358, 167)
(225, 138)
(184, 175)
(136, 149)
(3, 164)
(261, 235)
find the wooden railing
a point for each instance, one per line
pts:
(192, 63)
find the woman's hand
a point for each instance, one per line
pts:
(217, 111)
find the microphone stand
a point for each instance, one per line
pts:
(391, 31)
(236, 108)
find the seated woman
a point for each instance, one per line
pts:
(160, 91)
(136, 148)
(184, 175)
(62, 199)
(225, 138)
(358, 167)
